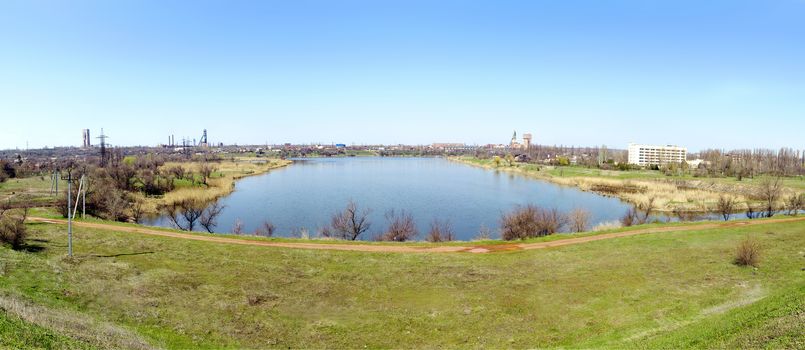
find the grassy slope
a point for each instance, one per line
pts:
(18, 334)
(654, 290)
(34, 188)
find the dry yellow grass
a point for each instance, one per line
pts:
(221, 183)
(669, 194)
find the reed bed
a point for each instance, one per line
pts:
(670, 194)
(220, 183)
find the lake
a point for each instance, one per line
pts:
(303, 196)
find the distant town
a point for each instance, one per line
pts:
(521, 149)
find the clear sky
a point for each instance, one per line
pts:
(721, 74)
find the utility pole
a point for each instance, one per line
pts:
(103, 148)
(69, 217)
(83, 199)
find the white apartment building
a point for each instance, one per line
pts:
(644, 155)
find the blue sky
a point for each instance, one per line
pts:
(721, 74)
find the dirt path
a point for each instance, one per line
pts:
(414, 249)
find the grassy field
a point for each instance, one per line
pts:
(36, 189)
(18, 334)
(685, 193)
(656, 290)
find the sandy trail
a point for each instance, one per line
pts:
(414, 249)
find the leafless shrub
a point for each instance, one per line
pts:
(629, 218)
(137, 210)
(647, 207)
(531, 221)
(725, 206)
(769, 192)
(579, 220)
(237, 228)
(350, 223)
(12, 227)
(205, 171)
(752, 212)
(301, 233)
(177, 171)
(484, 233)
(440, 231)
(795, 203)
(265, 230)
(401, 227)
(748, 253)
(209, 218)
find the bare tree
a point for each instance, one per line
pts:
(209, 218)
(350, 223)
(137, 210)
(647, 207)
(184, 214)
(725, 206)
(751, 211)
(401, 227)
(237, 228)
(265, 230)
(579, 220)
(769, 192)
(205, 171)
(629, 218)
(440, 231)
(795, 203)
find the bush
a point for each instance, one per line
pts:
(579, 220)
(531, 221)
(484, 233)
(265, 230)
(440, 231)
(401, 227)
(12, 227)
(8, 170)
(629, 218)
(725, 206)
(237, 228)
(795, 203)
(748, 253)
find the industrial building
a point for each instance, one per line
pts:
(86, 143)
(645, 155)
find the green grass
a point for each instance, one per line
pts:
(51, 213)
(18, 334)
(656, 290)
(34, 188)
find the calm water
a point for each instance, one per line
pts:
(306, 194)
